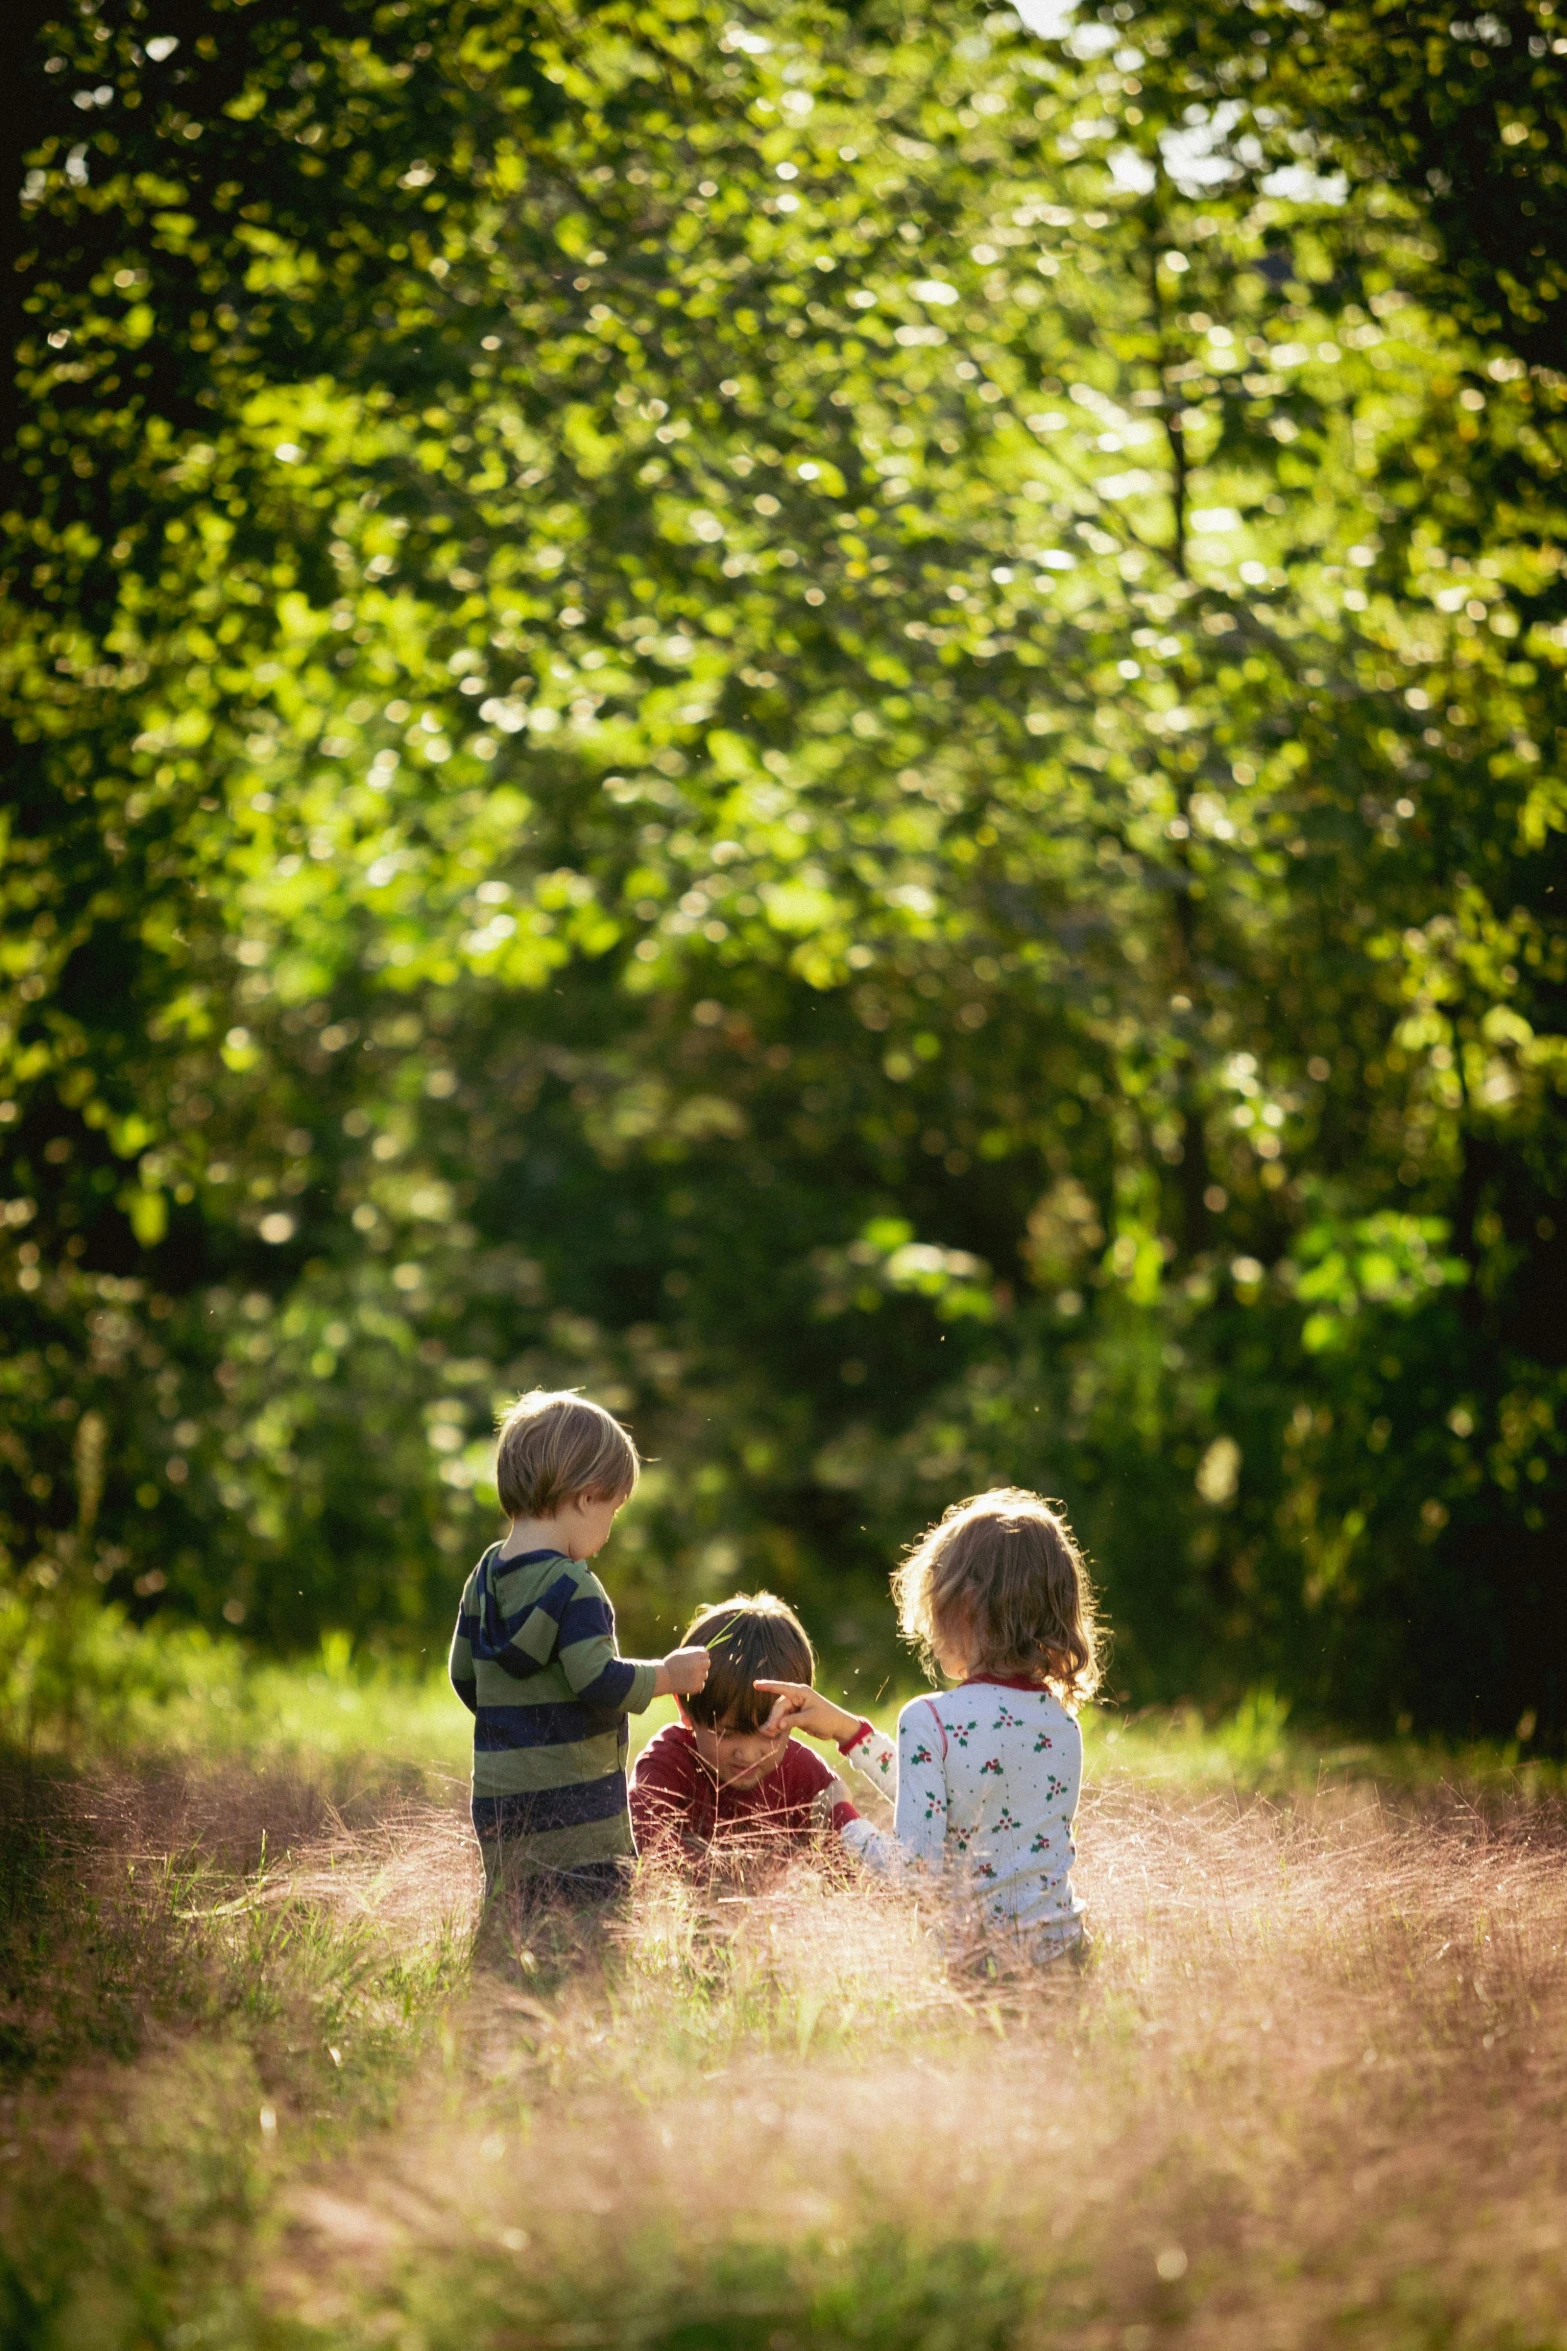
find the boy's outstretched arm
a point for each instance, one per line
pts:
(599, 1675)
(682, 1673)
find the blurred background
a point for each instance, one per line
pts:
(847, 725)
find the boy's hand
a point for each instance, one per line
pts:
(798, 1707)
(682, 1673)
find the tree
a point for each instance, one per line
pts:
(1465, 120)
(773, 714)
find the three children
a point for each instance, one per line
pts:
(984, 1776)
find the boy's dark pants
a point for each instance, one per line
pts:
(519, 1894)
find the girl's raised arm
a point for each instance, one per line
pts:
(916, 1771)
(799, 1707)
(920, 1817)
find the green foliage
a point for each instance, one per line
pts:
(98, 1684)
(881, 2290)
(1466, 119)
(849, 732)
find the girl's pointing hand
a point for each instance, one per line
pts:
(797, 1707)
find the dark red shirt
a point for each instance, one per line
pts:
(677, 1803)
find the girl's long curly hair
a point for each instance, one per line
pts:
(1000, 1581)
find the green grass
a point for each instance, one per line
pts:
(177, 1692)
(1258, 1747)
(255, 2093)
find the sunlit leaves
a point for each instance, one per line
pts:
(728, 646)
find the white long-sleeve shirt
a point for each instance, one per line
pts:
(985, 1781)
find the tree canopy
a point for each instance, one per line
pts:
(848, 724)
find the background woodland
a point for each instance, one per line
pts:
(848, 724)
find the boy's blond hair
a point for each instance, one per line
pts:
(556, 1447)
(1000, 1580)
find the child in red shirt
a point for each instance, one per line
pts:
(719, 1786)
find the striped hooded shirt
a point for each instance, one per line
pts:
(534, 1660)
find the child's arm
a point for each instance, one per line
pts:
(799, 1707)
(914, 1771)
(459, 1667)
(919, 1821)
(682, 1673)
(873, 1753)
(600, 1676)
(919, 1831)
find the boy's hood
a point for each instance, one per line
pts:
(491, 1633)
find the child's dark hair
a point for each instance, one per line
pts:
(752, 1634)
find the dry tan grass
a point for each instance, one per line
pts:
(1310, 2088)
(1312, 2081)
(413, 1872)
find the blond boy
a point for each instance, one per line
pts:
(535, 1661)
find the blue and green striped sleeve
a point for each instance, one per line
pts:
(593, 1666)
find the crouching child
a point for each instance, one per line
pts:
(535, 1660)
(721, 1788)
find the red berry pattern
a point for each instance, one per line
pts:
(994, 1814)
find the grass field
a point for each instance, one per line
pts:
(1310, 2089)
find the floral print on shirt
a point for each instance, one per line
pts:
(991, 1812)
